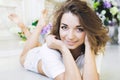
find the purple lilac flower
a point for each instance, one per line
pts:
(46, 29)
(107, 4)
(111, 23)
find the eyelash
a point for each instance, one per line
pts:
(80, 29)
(64, 27)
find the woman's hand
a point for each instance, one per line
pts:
(87, 44)
(54, 43)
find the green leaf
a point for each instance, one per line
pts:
(35, 23)
(22, 36)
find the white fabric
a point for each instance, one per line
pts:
(98, 59)
(52, 63)
(32, 60)
(80, 62)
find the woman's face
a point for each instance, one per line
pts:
(71, 31)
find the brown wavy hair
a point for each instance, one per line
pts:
(96, 32)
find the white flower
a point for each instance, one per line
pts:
(114, 10)
(102, 17)
(103, 12)
(118, 16)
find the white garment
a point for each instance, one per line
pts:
(52, 63)
(80, 62)
(32, 59)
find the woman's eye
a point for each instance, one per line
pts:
(80, 30)
(64, 27)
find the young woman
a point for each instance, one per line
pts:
(71, 49)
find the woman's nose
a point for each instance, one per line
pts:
(71, 35)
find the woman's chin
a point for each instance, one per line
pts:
(71, 47)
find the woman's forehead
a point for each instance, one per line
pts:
(70, 18)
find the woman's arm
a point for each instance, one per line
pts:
(71, 70)
(90, 70)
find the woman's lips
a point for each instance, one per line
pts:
(71, 43)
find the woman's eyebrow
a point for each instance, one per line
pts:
(79, 26)
(64, 24)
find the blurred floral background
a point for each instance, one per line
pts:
(108, 11)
